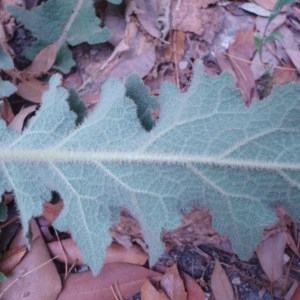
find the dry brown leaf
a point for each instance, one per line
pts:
(296, 295)
(115, 21)
(73, 80)
(270, 254)
(91, 99)
(204, 22)
(285, 74)
(51, 211)
(48, 235)
(220, 283)
(18, 121)
(255, 9)
(43, 61)
(149, 292)
(67, 250)
(12, 2)
(128, 231)
(195, 3)
(291, 46)
(6, 111)
(130, 34)
(292, 290)
(28, 87)
(11, 258)
(127, 278)
(32, 89)
(140, 62)
(196, 229)
(36, 276)
(173, 285)
(19, 239)
(7, 26)
(241, 52)
(267, 4)
(133, 255)
(194, 291)
(147, 14)
(238, 63)
(134, 54)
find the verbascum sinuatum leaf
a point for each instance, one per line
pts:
(207, 149)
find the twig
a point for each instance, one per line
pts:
(116, 292)
(258, 64)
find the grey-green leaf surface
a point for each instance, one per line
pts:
(6, 61)
(6, 88)
(147, 105)
(115, 1)
(72, 21)
(207, 149)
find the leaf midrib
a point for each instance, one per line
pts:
(47, 156)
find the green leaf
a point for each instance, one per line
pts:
(258, 42)
(64, 60)
(6, 63)
(207, 149)
(278, 8)
(72, 22)
(273, 36)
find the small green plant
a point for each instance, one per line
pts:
(261, 39)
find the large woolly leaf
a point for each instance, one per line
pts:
(72, 21)
(6, 63)
(6, 88)
(147, 105)
(207, 148)
(115, 1)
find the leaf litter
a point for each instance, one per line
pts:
(282, 243)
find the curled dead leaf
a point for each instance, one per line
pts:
(11, 258)
(194, 291)
(149, 292)
(32, 89)
(18, 121)
(35, 276)
(173, 285)
(67, 251)
(126, 278)
(270, 254)
(220, 283)
(51, 211)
